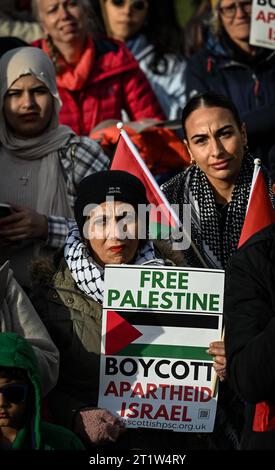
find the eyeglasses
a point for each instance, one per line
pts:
(230, 10)
(15, 393)
(138, 5)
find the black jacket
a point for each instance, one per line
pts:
(250, 329)
(250, 82)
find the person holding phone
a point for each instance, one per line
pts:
(41, 162)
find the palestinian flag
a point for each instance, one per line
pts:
(154, 334)
(163, 219)
(260, 212)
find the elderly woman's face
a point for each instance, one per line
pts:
(65, 21)
(28, 107)
(112, 232)
(215, 143)
(236, 17)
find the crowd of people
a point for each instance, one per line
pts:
(68, 67)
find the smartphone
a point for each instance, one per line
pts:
(5, 210)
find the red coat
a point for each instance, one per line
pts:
(116, 82)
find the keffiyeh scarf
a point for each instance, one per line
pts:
(192, 187)
(88, 275)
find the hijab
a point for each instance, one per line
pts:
(42, 152)
(13, 65)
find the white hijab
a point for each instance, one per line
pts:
(52, 197)
(13, 65)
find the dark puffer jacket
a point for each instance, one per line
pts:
(250, 82)
(250, 332)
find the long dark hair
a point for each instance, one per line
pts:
(210, 100)
(161, 30)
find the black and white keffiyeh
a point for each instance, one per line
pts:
(192, 187)
(88, 275)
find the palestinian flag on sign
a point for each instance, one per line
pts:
(154, 334)
(162, 217)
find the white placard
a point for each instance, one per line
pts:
(155, 371)
(262, 32)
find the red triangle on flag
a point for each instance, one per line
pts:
(124, 159)
(119, 333)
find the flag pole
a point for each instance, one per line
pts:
(157, 189)
(257, 166)
(147, 172)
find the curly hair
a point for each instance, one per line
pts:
(161, 30)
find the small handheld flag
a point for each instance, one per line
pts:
(260, 212)
(163, 218)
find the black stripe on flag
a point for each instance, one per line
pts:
(171, 319)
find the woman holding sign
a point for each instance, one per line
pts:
(69, 298)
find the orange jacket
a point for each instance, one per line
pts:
(160, 148)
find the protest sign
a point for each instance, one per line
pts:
(157, 324)
(262, 31)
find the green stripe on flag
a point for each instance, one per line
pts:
(155, 350)
(159, 231)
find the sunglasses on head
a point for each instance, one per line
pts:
(138, 5)
(15, 393)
